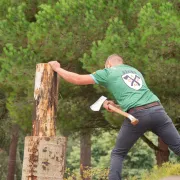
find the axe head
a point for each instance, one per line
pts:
(97, 105)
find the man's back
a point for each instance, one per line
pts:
(127, 86)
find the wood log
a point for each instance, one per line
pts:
(46, 97)
(44, 153)
(44, 158)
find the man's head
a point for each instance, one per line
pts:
(113, 60)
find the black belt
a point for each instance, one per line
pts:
(143, 107)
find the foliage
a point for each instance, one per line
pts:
(159, 26)
(72, 31)
(157, 173)
(3, 164)
(14, 61)
(18, 89)
(81, 35)
(94, 173)
(5, 123)
(139, 156)
(166, 170)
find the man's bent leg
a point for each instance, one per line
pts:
(166, 130)
(127, 136)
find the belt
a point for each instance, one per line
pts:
(146, 106)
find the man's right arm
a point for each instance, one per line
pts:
(75, 78)
(71, 77)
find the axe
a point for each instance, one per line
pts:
(97, 106)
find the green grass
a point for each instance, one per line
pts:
(157, 173)
(166, 170)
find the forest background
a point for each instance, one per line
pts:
(81, 35)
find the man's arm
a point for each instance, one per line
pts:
(71, 77)
(75, 78)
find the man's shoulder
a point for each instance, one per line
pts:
(101, 72)
(130, 68)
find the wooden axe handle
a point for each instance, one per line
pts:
(134, 121)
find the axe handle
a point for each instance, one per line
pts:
(133, 120)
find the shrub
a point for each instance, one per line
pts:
(93, 173)
(166, 170)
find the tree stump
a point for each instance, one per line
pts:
(44, 153)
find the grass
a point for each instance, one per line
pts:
(157, 173)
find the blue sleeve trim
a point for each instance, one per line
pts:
(94, 78)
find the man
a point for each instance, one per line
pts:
(132, 94)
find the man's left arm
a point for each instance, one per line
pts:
(71, 77)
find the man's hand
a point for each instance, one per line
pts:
(106, 105)
(55, 65)
(71, 77)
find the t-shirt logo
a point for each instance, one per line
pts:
(132, 80)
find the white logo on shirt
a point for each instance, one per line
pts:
(132, 80)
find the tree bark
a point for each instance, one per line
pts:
(44, 153)
(162, 155)
(149, 143)
(46, 99)
(85, 153)
(12, 152)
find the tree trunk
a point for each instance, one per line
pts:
(44, 153)
(85, 157)
(12, 153)
(162, 155)
(46, 99)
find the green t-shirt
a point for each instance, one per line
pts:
(126, 84)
